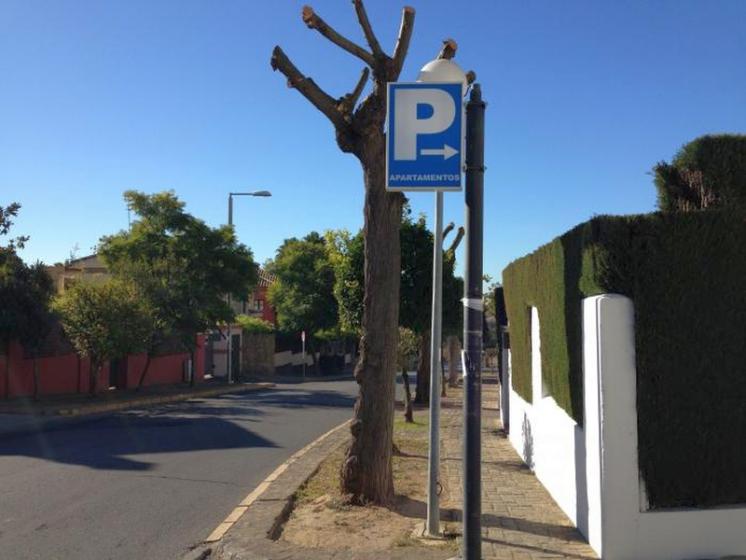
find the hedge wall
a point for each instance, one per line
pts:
(708, 172)
(686, 273)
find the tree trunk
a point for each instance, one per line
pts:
(144, 372)
(367, 470)
(93, 377)
(453, 357)
(408, 417)
(422, 394)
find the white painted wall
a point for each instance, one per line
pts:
(592, 471)
(548, 440)
(627, 531)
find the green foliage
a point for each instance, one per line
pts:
(708, 172)
(409, 345)
(347, 255)
(6, 222)
(685, 273)
(251, 324)
(180, 265)
(104, 320)
(417, 274)
(303, 293)
(348, 258)
(25, 290)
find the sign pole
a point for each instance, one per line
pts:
(472, 354)
(303, 345)
(433, 511)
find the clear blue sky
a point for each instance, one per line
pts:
(584, 97)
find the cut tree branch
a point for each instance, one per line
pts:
(317, 96)
(456, 241)
(348, 102)
(362, 17)
(448, 229)
(402, 42)
(315, 22)
(471, 77)
(449, 49)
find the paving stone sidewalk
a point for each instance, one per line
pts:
(519, 518)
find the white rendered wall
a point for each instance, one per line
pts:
(592, 471)
(627, 532)
(548, 440)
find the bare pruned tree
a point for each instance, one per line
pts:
(359, 127)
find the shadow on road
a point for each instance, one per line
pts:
(297, 398)
(107, 442)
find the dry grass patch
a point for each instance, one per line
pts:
(323, 519)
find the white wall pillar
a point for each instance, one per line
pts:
(610, 396)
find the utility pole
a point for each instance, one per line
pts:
(433, 506)
(473, 317)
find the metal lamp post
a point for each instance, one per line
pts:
(230, 302)
(438, 70)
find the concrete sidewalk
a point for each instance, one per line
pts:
(519, 517)
(18, 416)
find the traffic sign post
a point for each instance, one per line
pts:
(424, 152)
(303, 351)
(424, 144)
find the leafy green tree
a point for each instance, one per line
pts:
(415, 287)
(104, 320)
(303, 292)
(347, 256)
(255, 324)
(25, 292)
(181, 266)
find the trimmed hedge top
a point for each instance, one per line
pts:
(709, 172)
(686, 274)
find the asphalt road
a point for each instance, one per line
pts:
(147, 484)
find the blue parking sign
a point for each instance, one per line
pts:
(424, 144)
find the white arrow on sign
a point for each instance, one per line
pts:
(446, 151)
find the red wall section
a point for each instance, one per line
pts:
(69, 374)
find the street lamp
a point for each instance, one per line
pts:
(230, 302)
(230, 201)
(439, 70)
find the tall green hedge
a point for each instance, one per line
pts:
(686, 273)
(708, 172)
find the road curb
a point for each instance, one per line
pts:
(71, 416)
(258, 519)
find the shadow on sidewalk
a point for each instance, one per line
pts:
(418, 509)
